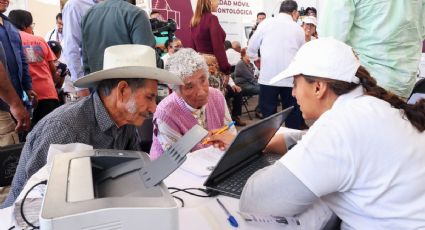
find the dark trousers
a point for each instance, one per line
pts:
(44, 107)
(269, 98)
(236, 101)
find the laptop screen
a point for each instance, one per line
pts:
(250, 141)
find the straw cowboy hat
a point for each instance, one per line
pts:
(128, 61)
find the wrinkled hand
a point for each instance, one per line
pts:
(236, 89)
(22, 117)
(33, 97)
(221, 141)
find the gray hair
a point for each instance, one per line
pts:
(105, 87)
(184, 63)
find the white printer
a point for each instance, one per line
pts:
(105, 190)
(114, 189)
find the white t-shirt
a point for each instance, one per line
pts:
(278, 38)
(366, 162)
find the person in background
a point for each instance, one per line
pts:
(278, 38)
(368, 184)
(156, 15)
(17, 68)
(309, 26)
(207, 36)
(8, 96)
(72, 14)
(245, 78)
(172, 46)
(236, 46)
(232, 55)
(244, 75)
(260, 17)
(311, 11)
(109, 23)
(388, 47)
(41, 64)
(62, 73)
(56, 33)
(189, 104)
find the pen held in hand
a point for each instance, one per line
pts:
(230, 218)
(220, 131)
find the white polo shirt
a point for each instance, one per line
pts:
(278, 39)
(366, 161)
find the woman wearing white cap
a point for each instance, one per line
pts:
(309, 26)
(364, 157)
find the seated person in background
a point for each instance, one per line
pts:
(363, 157)
(245, 78)
(228, 87)
(244, 75)
(190, 104)
(106, 119)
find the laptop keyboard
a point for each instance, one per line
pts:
(235, 183)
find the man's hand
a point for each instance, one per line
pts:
(83, 93)
(33, 97)
(22, 117)
(236, 89)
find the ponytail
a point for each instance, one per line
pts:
(414, 113)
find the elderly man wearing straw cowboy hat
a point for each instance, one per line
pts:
(125, 96)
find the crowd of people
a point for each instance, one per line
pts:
(103, 56)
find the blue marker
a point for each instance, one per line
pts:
(230, 218)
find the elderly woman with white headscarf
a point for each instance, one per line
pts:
(190, 104)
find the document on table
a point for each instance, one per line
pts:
(201, 162)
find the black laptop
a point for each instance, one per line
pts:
(245, 156)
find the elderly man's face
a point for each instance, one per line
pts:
(138, 105)
(195, 89)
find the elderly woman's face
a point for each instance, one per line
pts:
(195, 89)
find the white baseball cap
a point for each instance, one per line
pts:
(326, 58)
(310, 20)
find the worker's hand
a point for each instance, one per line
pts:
(22, 117)
(221, 141)
(276, 145)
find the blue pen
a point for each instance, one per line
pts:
(230, 218)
